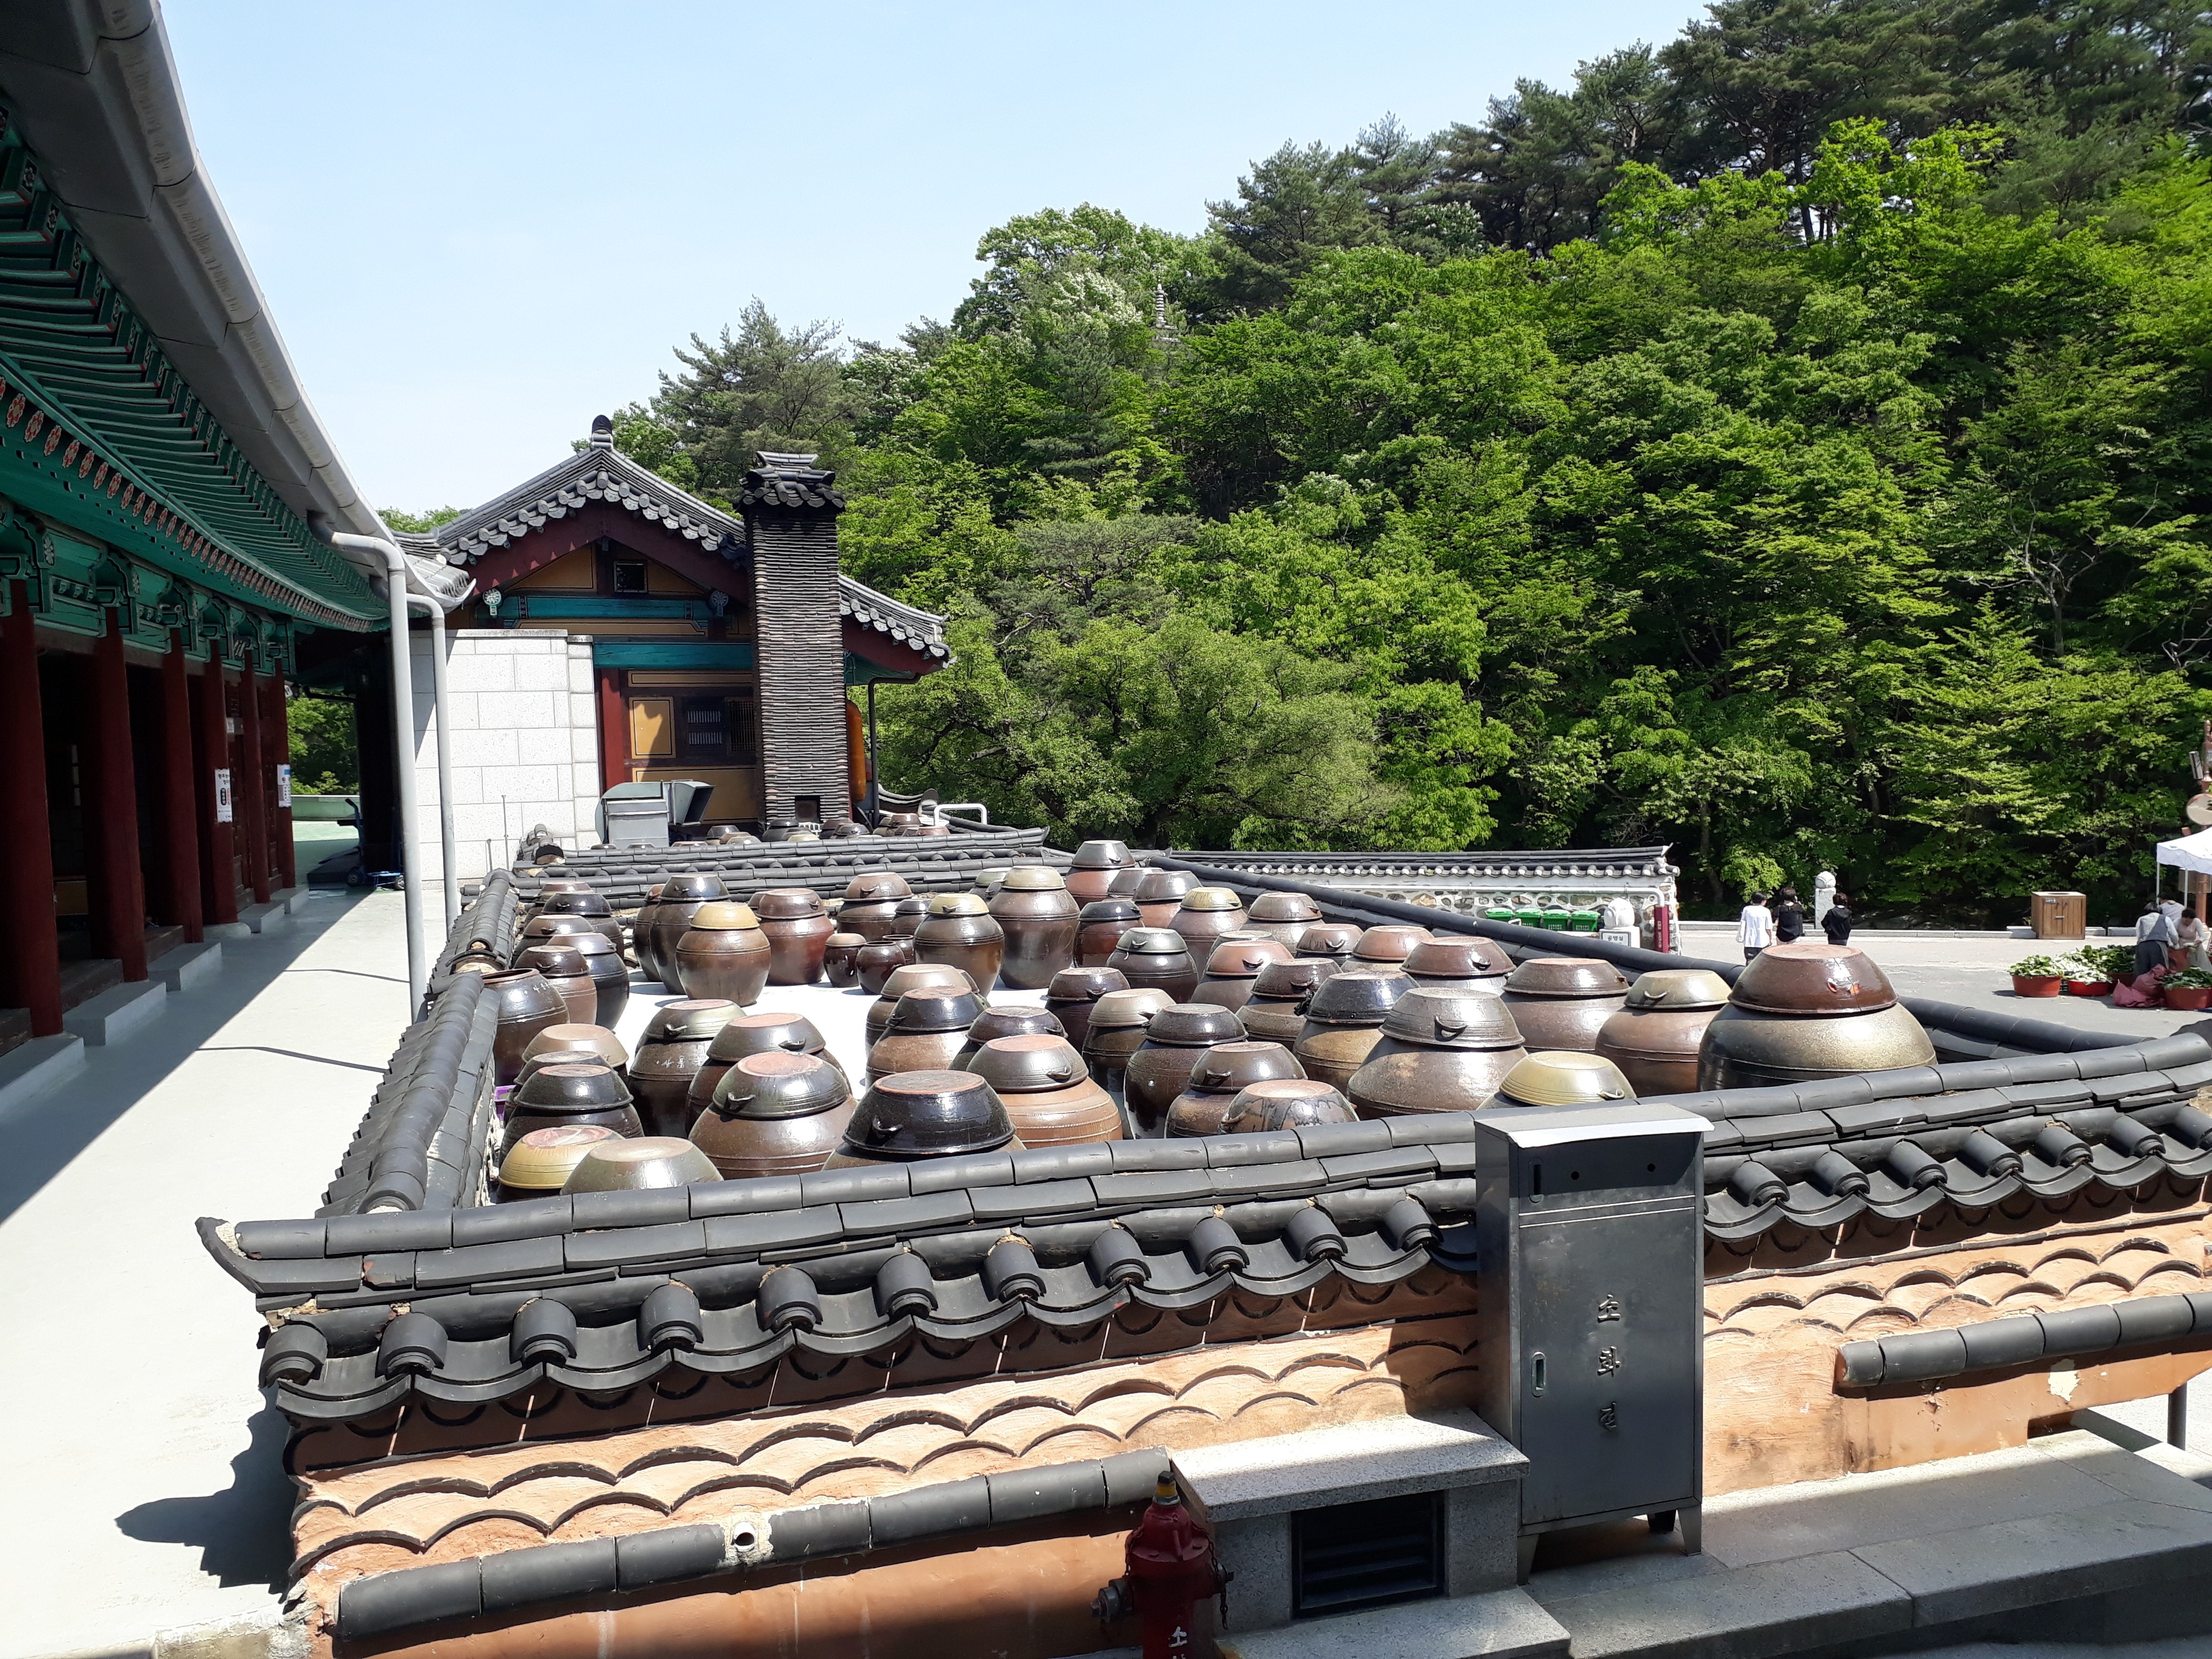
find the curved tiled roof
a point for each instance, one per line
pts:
(593, 474)
(917, 630)
(1616, 864)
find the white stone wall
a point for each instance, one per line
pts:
(525, 741)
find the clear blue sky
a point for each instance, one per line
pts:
(481, 223)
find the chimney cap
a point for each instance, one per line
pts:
(603, 432)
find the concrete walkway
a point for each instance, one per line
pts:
(143, 1462)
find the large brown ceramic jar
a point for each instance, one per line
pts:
(777, 1033)
(1207, 914)
(1072, 992)
(566, 971)
(797, 929)
(1560, 1078)
(538, 1163)
(1459, 962)
(986, 885)
(1276, 1010)
(642, 949)
(912, 976)
(1813, 1011)
(1389, 943)
(571, 1043)
(1233, 965)
(1288, 1103)
(1442, 1051)
(1217, 1076)
(1005, 1019)
(915, 1115)
(1655, 1038)
(1160, 1068)
(1561, 1003)
(1159, 895)
(670, 1054)
(1099, 927)
(1344, 1022)
(1127, 880)
(610, 976)
(681, 899)
(551, 930)
(591, 906)
(1283, 916)
(1038, 916)
(1155, 956)
(723, 954)
(1118, 1023)
(840, 959)
(1049, 1096)
(1334, 941)
(962, 933)
(631, 1166)
(926, 1029)
(557, 1097)
(874, 962)
(1091, 873)
(526, 1005)
(908, 915)
(774, 1114)
(872, 902)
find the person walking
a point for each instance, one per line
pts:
(1754, 927)
(1836, 920)
(1788, 917)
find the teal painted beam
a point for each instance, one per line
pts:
(859, 671)
(720, 656)
(626, 608)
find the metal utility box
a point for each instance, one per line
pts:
(631, 817)
(2059, 915)
(1589, 1230)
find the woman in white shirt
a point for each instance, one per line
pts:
(2193, 936)
(1754, 927)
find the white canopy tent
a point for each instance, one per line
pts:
(2190, 853)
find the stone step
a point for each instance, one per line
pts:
(116, 1012)
(187, 966)
(1506, 1624)
(36, 1065)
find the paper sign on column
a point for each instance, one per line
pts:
(223, 794)
(284, 787)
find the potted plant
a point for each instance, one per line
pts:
(2037, 976)
(2088, 972)
(2191, 987)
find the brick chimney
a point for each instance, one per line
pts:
(790, 518)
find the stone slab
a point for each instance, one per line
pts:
(290, 898)
(222, 930)
(263, 918)
(1503, 1625)
(2146, 1472)
(118, 1011)
(1350, 1464)
(1975, 1571)
(1752, 1612)
(187, 965)
(31, 1068)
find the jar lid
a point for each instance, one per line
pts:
(1565, 976)
(724, 916)
(1813, 979)
(1151, 942)
(1287, 981)
(559, 927)
(915, 904)
(1229, 1067)
(934, 1008)
(594, 1040)
(873, 884)
(1286, 1103)
(913, 975)
(1120, 1010)
(1033, 878)
(1158, 886)
(574, 1086)
(1457, 956)
(786, 904)
(1452, 1019)
(552, 885)
(771, 1032)
(1390, 942)
(1211, 898)
(586, 903)
(1028, 1064)
(1283, 906)
(917, 1114)
(1109, 909)
(1357, 998)
(617, 1166)
(1006, 1019)
(1242, 956)
(1678, 987)
(548, 959)
(541, 1160)
(845, 941)
(958, 904)
(590, 943)
(1555, 1078)
(774, 1085)
(1329, 939)
(693, 886)
(1192, 1025)
(1101, 855)
(1083, 984)
(689, 1020)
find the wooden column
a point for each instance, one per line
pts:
(211, 752)
(180, 829)
(117, 884)
(280, 749)
(30, 943)
(250, 790)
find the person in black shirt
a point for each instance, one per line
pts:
(1838, 921)
(1788, 917)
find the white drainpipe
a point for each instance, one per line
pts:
(437, 614)
(403, 724)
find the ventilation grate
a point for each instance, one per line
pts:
(1363, 1555)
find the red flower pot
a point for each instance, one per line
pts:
(2089, 988)
(2036, 984)
(2189, 996)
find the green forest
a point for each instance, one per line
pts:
(1787, 442)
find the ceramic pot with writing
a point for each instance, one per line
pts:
(1335, 940)
(775, 1114)
(1344, 1022)
(1091, 873)
(913, 976)
(1233, 966)
(681, 898)
(961, 933)
(913, 1117)
(1276, 1010)
(591, 906)
(1159, 895)
(1001, 1019)
(1039, 917)
(1116, 1031)
(797, 930)
(1159, 957)
(1099, 927)
(840, 959)
(1217, 1076)
(574, 1092)
(1656, 1037)
(1283, 916)
(564, 969)
(1442, 1051)
(1160, 1069)
(874, 962)
(1561, 1003)
(670, 1054)
(771, 1033)
(1073, 991)
(925, 1031)
(723, 954)
(1207, 914)
(526, 1005)
(1048, 1095)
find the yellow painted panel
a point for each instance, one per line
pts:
(660, 579)
(737, 788)
(572, 573)
(687, 678)
(652, 725)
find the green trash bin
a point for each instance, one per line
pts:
(1555, 920)
(1582, 921)
(1530, 918)
(1498, 913)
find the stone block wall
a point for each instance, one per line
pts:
(525, 742)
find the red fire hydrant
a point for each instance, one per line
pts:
(1171, 1569)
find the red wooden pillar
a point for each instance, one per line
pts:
(180, 831)
(614, 731)
(248, 790)
(111, 816)
(30, 943)
(211, 754)
(279, 748)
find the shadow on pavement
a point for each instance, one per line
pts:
(244, 1532)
